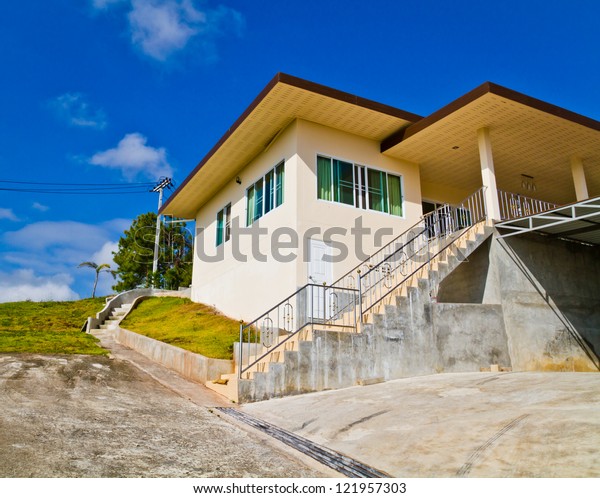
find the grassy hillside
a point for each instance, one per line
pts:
(192, 326)
(48, 327)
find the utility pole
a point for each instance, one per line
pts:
(160, 186)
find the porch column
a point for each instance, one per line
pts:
(488, 175)
(581, 190)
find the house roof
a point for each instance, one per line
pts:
(284, 99)
(528, 136)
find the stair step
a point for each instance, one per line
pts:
(229, 389)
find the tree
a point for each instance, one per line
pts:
(99, 268)
(136, 252)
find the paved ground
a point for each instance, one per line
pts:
(84, 416)
(446, 425)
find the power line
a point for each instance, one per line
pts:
(76, 188)
(78, 184)
(80, 192)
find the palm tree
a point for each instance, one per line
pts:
(98, 268)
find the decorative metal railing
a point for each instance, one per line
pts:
(343, 303)
(516, 206)
(416, 248)
(438, 225)
(310, 305)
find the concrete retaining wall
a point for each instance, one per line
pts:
(191, 365)
(549, 293)
(414, 338)
(470, 336)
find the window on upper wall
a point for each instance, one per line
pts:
(224, 225)
(359, 186)
(266, 194)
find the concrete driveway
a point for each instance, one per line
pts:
(452, 425)
(88, 416)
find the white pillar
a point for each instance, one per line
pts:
(488, 175)
(581, 190)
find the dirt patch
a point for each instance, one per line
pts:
(90, 416)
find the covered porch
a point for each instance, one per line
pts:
(530, 156)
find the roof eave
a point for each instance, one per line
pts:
(302, 84)
(487, 87)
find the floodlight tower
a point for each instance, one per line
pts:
(160, 186)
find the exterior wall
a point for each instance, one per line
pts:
(313, 140)
(246, 289)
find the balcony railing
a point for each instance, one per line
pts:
(516, 206)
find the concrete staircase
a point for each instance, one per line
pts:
(227, 385)
(436, 269)
(115, 317)
(263, 379)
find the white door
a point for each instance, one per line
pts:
(319, 272)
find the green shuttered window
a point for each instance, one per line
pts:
(359, 186)
(265, 194)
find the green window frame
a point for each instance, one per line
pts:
(394, 184)
(279, 184)
(266, 194)
(324, 178)
(224, 225)
(359, 186)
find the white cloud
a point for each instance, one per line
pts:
(47, 234)
(161, 28)
(105, 254)
(133, 157)
(75, 111)
(43, 250)
(50, 245)
(8, 214)
(40, 207)
(23, 284)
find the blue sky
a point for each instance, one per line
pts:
(111, 91)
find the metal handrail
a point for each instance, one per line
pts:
(371, 260)
(408, 259)
(310, 305)
(514, 205)
(419, 268)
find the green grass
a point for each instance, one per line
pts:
(48, 327)
(192, 326)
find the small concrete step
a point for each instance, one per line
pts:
(226, 386)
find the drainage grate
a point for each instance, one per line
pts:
(337, 461)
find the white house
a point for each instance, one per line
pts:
(307, 170)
